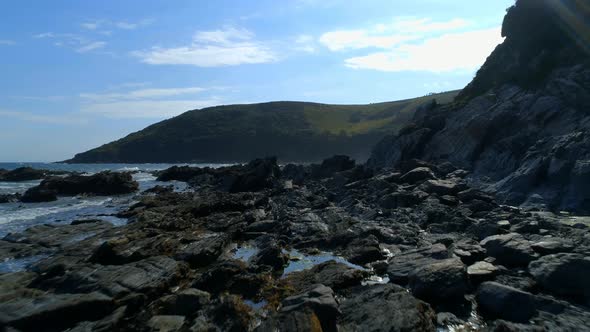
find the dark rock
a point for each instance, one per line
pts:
(320, 299)
(85, 221)
(102, 184)
(23, 174)
(417, 175)
(400, 266)
(257, 175)
(481, 271)
(9, 198)
(54, 312)
(563, 274)
(499, 301)
(272, 256)
(441, 187)
(332, 165)
(385, 308)
(179, 173)
(552, 246)
(332, 274)
(38, 195)
(509, 249)
(184, 303)
(444, 280)
(468, 251)
(203, 251)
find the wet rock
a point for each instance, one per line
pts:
(272, 256)
(101, 184)
(509, 249)
(54, 311)
(263, 226)
(563, 274)
(203, 251)
(400, 266)
(468, 251)
(38, 195)
(385, 308)
(165, 323)
(332, 274)
(302, 320)
(552, 246)
(444, 280)
(499, 301)
(9, 198)
(481, 271)
(184, 303)
(320, 299)
(417, 175)
(179, 173)
(22, 174)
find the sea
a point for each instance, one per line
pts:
(16, 217)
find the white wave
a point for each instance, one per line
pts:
(22, 212)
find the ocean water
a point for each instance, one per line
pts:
(15, 217)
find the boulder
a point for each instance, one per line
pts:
(320, 299)
(400, 266)
(417, 175)
(165, 323)
(441, 187)
(38, 195)
(509, 249)
(385, 308)
(332, 165)
(257, 175)
(499, 301)
(481, 271)
(272, 256)
(179, 173)
(440, 281)
(185, 302)
(552, 246)
(331, 273)
(54, 311)
(563, 274)
(9, 198)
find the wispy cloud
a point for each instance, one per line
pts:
(109, 24)
(7, 42)
(90, 47)
(147, 103)
(305, 43)
(229, 46)
(142, 94)
(450, 52)
(67, 119)
(72, 41)
(40, 98)
(387, 35)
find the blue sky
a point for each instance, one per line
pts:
(77, 74)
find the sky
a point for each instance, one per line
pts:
(78, 74)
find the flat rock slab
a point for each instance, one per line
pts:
(385, 308)
(55, 311)
(400, 266)
(509, 249)
(439, 281)
(563, 274)
(500, 301)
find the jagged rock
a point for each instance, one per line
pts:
(509, 249)
(417, 175)
(320, 299)
(53, 311)
(563, 274)
(332, 274)
(400, 266)
(272, 256)
(256, 175)
(332, 165)
(385, 308)
(441, 187)
(499, 301)
(9, 198)
(203, 251)
(552, 246)
(180, 173)
(439, 281)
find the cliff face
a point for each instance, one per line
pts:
(522, 126)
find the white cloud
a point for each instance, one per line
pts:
(123, 25)
(147, 108)
(40, 118)
(90, 25)
(305, 43)
(7, 42)
(146, 103)
(142, 94)
(387, 35)
(449, 52)
(227, 47)
(91, 46)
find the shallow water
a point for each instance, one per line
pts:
(10, 265)
(300, 261)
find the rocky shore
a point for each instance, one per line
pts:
(328, 247)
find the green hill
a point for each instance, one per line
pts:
(292, 131)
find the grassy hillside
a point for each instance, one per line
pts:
(293, 131)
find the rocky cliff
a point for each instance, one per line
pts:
(522, 126)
